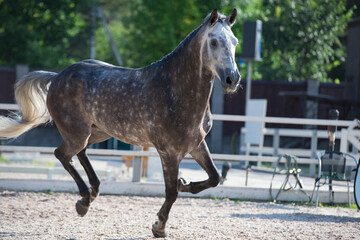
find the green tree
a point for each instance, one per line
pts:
(145, 31)
(302, 38)
(155, 28)
(39, 32)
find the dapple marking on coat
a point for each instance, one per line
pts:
(164, 105)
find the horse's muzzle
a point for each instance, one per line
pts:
(231, 80)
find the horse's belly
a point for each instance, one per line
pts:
(133, 139)
(125, 132)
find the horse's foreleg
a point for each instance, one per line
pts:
(93, 179)
(170, 169)
(203, 158)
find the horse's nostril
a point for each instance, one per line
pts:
(228, 80)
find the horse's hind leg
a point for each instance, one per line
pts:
(93, 179)
(64, 153)
(203, 158)
(96, 136)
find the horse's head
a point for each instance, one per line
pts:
(219, 45)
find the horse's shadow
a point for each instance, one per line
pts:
(298, 217)
(140, 238)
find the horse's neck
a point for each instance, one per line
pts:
(190, 79)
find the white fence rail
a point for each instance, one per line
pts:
(8, 106)
(49, 171)
(347, 136)
(110, 152)
(281, 120)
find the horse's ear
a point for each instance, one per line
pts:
(213, 17)
(232, 17)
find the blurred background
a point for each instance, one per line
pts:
(304, 70)
(310, 61)
(309, 49)
(300, 39)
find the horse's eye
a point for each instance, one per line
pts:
(213, 43)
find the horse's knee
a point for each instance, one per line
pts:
(171, 196)
(214, 180)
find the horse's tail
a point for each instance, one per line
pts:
(30, 94)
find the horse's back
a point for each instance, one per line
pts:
(84, 75)
(103, 95)
(90, 69)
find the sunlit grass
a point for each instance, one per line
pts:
(2, 159)
(43, 163)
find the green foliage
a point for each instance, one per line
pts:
(151, 29)
(37, 162)
(48, 191)
(302, 38)
(38, 32)
(342, 205)
(4, 160)
(104, 51)
(155, 28)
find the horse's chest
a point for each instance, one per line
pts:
(191, 133)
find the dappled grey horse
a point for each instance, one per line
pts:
(165, 105)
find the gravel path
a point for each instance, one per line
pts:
(28, 215)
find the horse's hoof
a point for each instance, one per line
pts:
(181, 185)
(81, 209)
(157, 233)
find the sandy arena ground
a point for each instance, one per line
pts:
(28, 215)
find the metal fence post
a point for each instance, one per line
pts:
(276, 144)
(313, 151)
(49, 173)
(137, 166)
(344, 140)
